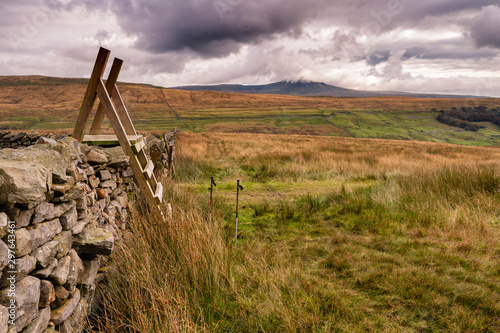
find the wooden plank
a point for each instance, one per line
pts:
(153, 183)
(159, 193)
(148, 170)
(110, 83)
(142, 159)
(122, 112)
(127, 148)
(109, 140)
(138, 146)
(90, 94)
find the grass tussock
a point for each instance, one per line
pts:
(167, 276)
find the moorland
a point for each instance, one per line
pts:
(335, 235)
(357, 214)
(44, 103)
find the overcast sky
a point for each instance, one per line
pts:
(438, 46)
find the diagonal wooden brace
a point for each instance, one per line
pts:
(122, 112)
(91, 93)
(113, 117)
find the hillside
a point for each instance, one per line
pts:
(45, 103)
(306, 88)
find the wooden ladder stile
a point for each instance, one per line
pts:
(112, 105)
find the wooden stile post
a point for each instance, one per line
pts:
(90, 95)
(110, 84)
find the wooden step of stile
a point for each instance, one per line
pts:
(153, 186)
(159, 192)
(147, 166)
(138, 146)
(109, 140)
(152, 183)
(148, 170)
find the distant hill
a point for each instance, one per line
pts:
(306, 88)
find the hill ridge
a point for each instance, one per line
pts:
(309, 88)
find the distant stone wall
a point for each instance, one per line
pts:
(62, 206)
(9, 139)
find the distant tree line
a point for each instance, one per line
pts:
(464, 117)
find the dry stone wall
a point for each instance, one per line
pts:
(10, 139)
(62, 207)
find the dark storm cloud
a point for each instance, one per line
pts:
(485, 28)
(216, 28)
(211, 28)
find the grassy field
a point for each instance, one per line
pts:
(336, 235)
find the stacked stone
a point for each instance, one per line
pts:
(14, 139)
(68, 202)
(159, 149)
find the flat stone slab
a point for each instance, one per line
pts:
(47, 294)
(40, 323)
(24, 243)
(42, 155)
(62, 313)
(23, 183)
(24, 266)
(94, 241)
(65, 240)
(44, 211)
(45, 254)
(75, 322)
(60, 274)
(27, 299)
(44, 273)
(44, 232)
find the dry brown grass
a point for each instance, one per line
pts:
(168, 276)
(186, 100)
(309, 157)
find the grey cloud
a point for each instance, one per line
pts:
(101, 36)
(438, 51)
(379, 16)
(378, 57)
(393, 69)
(485, 28)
